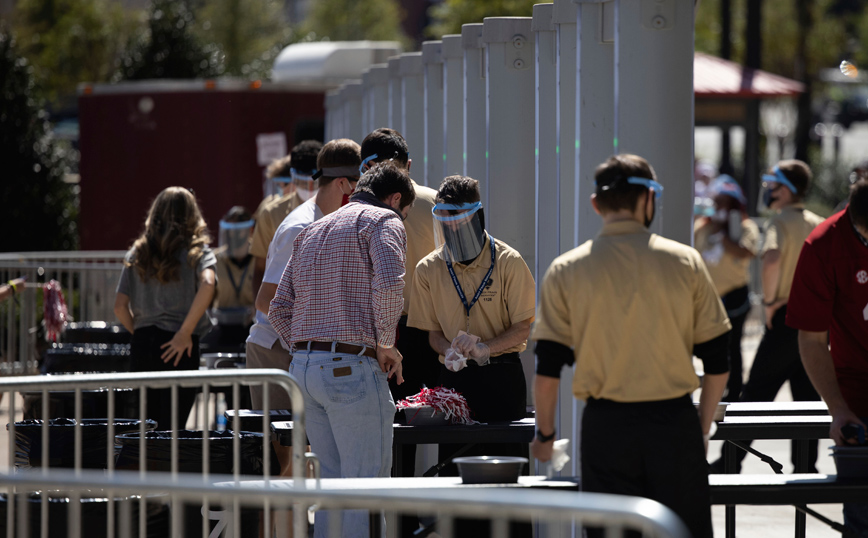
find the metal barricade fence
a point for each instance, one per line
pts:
(111, 384)
(557, 512)
(88, 279)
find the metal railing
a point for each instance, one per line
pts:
(111, 384)
(556, 511)
(88, 279)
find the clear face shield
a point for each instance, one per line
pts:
(459, 231)
(771, 184)
(235, 236)
(305, 184)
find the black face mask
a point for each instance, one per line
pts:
(649, 220)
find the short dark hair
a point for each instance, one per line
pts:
(338, 153)
(388, 144)
(385, 179)
(859, 203)
(799, 174)
(458, 190)
(613, 193)
(237, 213)
(303, 155)
(279, 168)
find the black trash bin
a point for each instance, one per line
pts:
(95, 332)
(94, 515)
(158, 457)
(87, 357)
(94, 403)
(61, 438)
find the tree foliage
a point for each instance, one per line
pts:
(351, 20)
(250, 34)
(169, 47)
(449, 15)
(70, 41)
(40, 208)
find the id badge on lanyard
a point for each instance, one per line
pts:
(468, 306)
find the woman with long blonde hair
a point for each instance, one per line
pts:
(166, 285)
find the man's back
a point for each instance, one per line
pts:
(636, 304)
(420, 234)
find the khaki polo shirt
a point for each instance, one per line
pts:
(268, 220)
(229, 276)
(420, 235)
(729, 272)
(508, 299)
(632, 305)
(786, 231)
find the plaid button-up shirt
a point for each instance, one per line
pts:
(345, 279)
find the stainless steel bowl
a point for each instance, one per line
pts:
(489, 469)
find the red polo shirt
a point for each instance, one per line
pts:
(830, 293)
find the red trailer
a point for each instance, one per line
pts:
(213, 136)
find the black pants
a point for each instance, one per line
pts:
(737, 304)
(777, 360)
(648, 449)
(420, 365)
(494, 393)
(145, 357)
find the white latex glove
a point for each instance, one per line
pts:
(454, 361)
(468, 345)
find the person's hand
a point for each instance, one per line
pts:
(453, 361)
(390, 362)
(18, 283)
(772, 309)
(542, 451)
(181, 344)
(839, 420)
(481, 353)
(469, 346)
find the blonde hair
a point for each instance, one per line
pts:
(174, 223)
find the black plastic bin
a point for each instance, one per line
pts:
(95, 332)
(158, 451)
(88, 357)
(94, 403)
(94, 514)
(61, 437)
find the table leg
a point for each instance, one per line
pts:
(729, 466)
(397, 458)
(800, 466)
(801, 524)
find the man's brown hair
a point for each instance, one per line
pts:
(388, 145)
(799, 174)
(458, 190)
(613, 191)
(339, 152)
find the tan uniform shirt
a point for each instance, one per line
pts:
(509, 299)
(234, 284)
(420, 235)
(631, 305)
(727, 271)
(787, 232)
(268, 220)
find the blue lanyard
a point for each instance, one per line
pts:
(457, 285)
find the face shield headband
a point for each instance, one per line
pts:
(459, 233)
(728, 186)
(368, 161)
(236, 237)
(305, 184)
(656, 191)
(770, 184)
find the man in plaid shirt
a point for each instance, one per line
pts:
(337, 306)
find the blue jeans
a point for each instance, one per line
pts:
(349, 416)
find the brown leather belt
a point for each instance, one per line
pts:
(340, 347)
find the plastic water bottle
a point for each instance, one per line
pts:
(221, 412)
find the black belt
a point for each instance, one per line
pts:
(339, 347)
(506, 358)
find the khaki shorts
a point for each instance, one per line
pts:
(276, 357)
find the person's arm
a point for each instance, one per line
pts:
(263, 299)
(513, 336)
(770, 276)
(817, 360)
(258, 273)
(123, 312)
(545, 401)
(714, 354)
(438, 342)
(387, 248)
(182, 342)
(10, 288)
(734, 249)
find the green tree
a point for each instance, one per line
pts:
(40, 208)
(169, 47)
(449, 15)
(352, 20)
(250, 34)
(71, 41)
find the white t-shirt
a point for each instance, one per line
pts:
(279, 252)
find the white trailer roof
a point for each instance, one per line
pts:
(328, 64)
